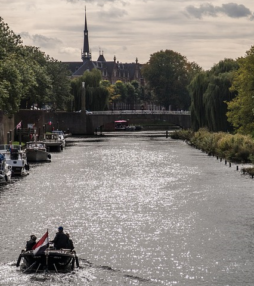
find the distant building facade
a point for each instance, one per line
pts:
(110, 70)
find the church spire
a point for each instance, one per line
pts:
(86, 55)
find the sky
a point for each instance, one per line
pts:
(205, 32)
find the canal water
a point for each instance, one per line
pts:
(142, 209)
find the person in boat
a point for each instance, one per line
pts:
(10, 143)
(30, 243)
(61, 239)
(70, 242)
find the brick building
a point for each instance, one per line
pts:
(110, 70)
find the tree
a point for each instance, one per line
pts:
(39, 92)
(10, 74)
(131, 95)
(137, 92)
(209, 91)
(60, 96)
(10, 86)
(241, 108)
(97, 94)
(119, 92)
(215, 97)
(197, 89)
(168, 75)
(28, 77)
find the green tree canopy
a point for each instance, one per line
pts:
(197, 89)
(241, 109)
(168, 74)
(60, 96)
(97, 94)
(15, 76)
(39, 92)
(130, 94)
(209, 91)
(28, 76)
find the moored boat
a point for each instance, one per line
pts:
(53, 142)
(121, 125)
(61, 136)
(16, 158)
(36, 151)
(5, 170)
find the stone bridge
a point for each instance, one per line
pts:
(82, 123)
(150, 119)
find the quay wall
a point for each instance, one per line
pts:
(75, 123)
(6, 124)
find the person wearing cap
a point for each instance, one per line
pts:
(70, 242)
(31, 242)
(61, 239)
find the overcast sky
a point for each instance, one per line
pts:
(203, 32)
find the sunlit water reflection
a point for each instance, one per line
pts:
(141, 211)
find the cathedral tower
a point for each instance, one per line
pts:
(86, 55)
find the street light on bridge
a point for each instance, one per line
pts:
(83, 97)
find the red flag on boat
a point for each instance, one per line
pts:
(41, 245)
(18, 125)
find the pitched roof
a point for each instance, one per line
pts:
(73, 66)
(86, 65)
(101, 59)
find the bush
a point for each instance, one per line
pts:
(235, 148)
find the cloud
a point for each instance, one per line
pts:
(232, 10)
(100, 3)
(113, 13)
(46, 42)
(41, 41)
(69, 51)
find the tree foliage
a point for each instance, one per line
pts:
(241, 108)
(60, 96)
(10, 74)
(168, 74)
(209, 92)
(96, 94)
(126, 94)
(197, 89)
(28, 76)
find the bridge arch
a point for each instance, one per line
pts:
(107, 119)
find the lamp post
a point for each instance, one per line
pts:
(83, 97)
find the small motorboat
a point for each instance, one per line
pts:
(36, 151)
(60, 136)
(5, 170)
(16, 158)
(121, 125)
(54, 142)
(62, 260)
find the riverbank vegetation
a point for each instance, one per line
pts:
(236, 148)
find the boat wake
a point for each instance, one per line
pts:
(13, 276)
(88, 274)
(108, 268)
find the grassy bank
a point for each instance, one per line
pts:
(233, 148)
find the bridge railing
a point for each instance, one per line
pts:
(108, 112)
